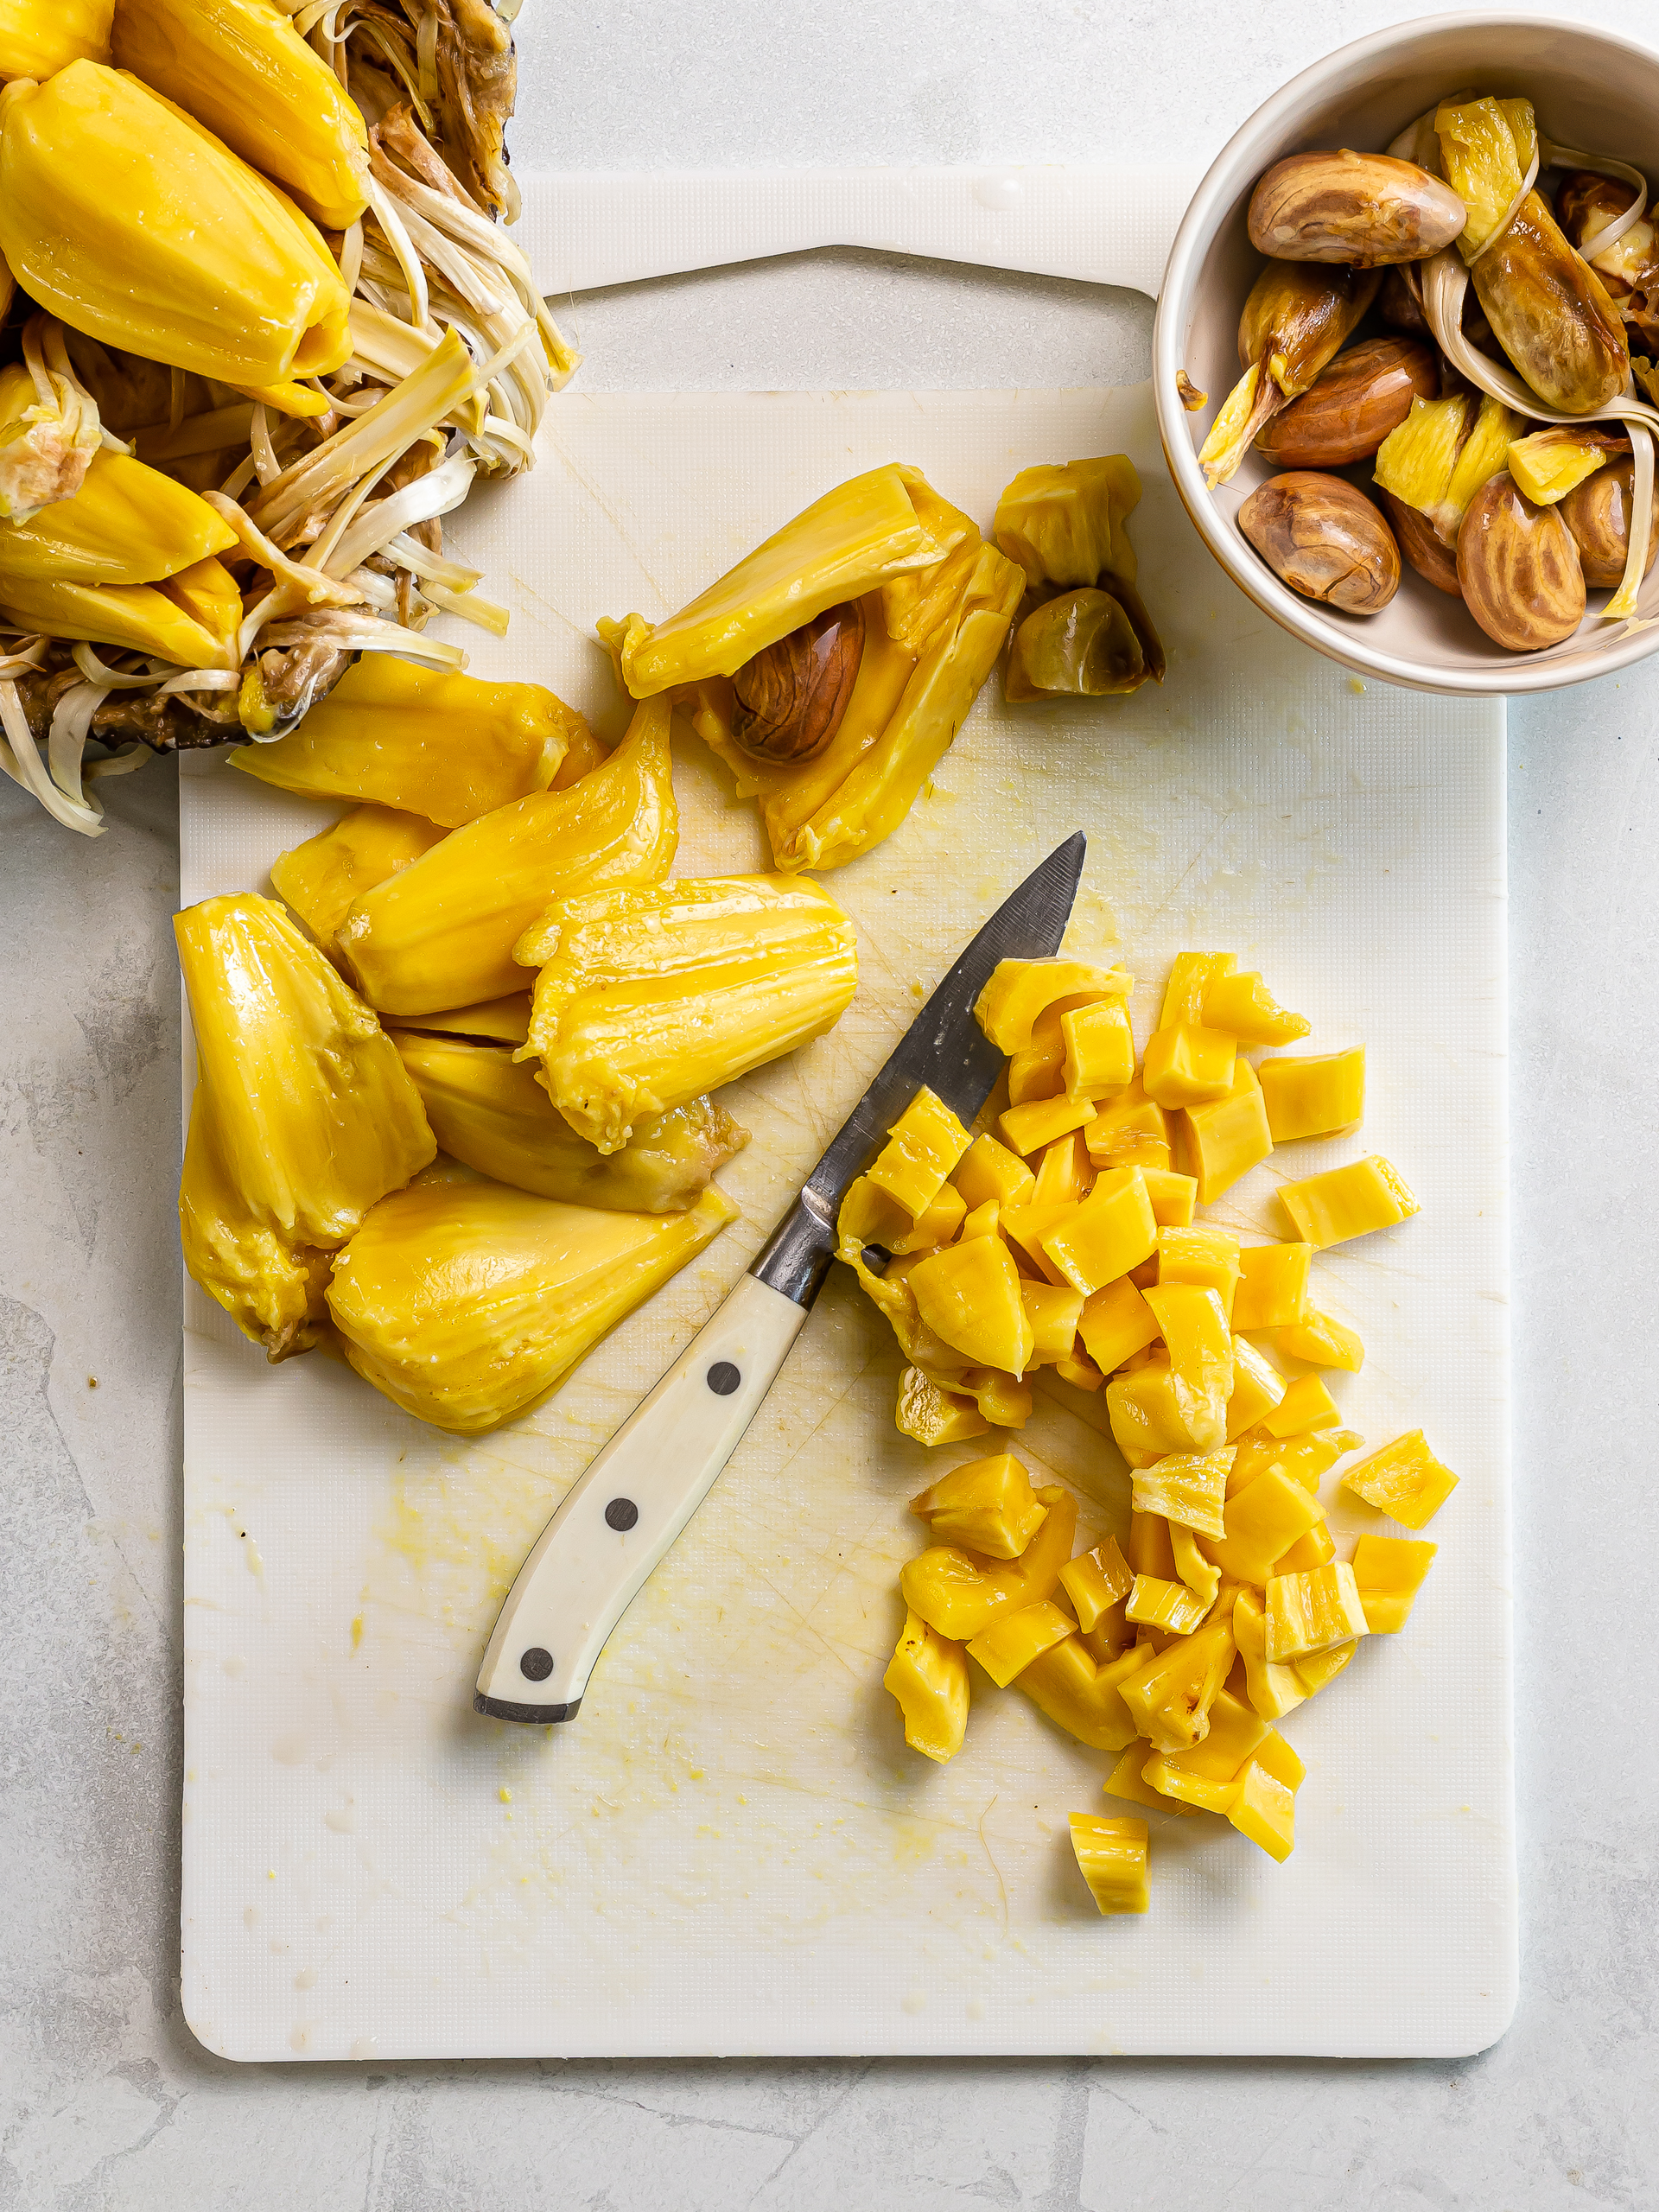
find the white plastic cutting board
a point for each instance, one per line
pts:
(731, 1850)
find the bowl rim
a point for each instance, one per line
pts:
(1206, 210)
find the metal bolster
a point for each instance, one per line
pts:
(797, 1257)
(501, 1708)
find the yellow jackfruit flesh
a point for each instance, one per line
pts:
(647, 998)
(39, 37)
(450, 747)
(48, 439)
(1085, 629)
(303, 1115)
(245, 71)
(130, 222)
(321, 879)
(442, 933)
(126, 524)
(935, 601)
(140, 618)
(465, 1302)
(489, 1111)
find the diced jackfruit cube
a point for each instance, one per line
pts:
(928, 1675)
(1347, 1202)
(1006, 1646)
(1404, 1479)
(1111, 1857)
(1389, 1571)
(987, 1505)
(1314, 1095)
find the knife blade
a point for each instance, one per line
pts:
(618, 1519)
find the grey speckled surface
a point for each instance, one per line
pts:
(107, 2101)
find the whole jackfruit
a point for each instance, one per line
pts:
(647, 998)
(442, 933)
(129, 221)
(303, 1116)
(489, 1112)
(39, 37)
(465, 1302)
(241, 68)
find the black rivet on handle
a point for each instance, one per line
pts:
(723, 1379)
(535, 1665)
(621, 1513)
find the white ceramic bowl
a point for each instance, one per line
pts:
(1592, 90)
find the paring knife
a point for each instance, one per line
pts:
(620, 1517)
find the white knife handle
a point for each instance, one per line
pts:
(614, 1526)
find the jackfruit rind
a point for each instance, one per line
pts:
(314, 1116)
(649, 997)
(466, 1302)
(242, 67)
(489, 1111)
(442, 933)
(450, 747)
(132, 223)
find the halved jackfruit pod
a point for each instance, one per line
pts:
(928, 1675)
(443, 933)
(489, 1112)
(321, 879)
(129, 221)
(936, 603)
(450, 747)
(466, 1302)
(39, 37)
(50, 433)
(960, 1592)
(1083, 626)
(304, 1117)
(241, 68)
(649, 997)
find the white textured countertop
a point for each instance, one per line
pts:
(105, 2100)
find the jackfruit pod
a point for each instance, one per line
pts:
(1068, 528)
(497, 1021)
(322, 879)
(847, 544)
(465, 1302)
(648, 997)
(928, 1676)
(311, 1115)
(126, 524)
(907, 702)
(490, 1112)
(450, 747)
(127, 220)
(273, 1288)
(242, 68)
(39, 37)
(442, 933)
(49, 436)
(139, 618)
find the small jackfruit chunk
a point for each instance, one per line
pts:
(1322, 1343)
(1314, 1094)
(1262, 1521)
(928, 1414)
(489, 1112)
(1013, 1640)
(1111, 1856)
(130, 222)
(1226, 1137)
(1272, 1286)
(648, 997)
(1187, 1488)
(1169, 1701)
(321, 879)
(1205, 1256)
(303, 1116)
(1171, 1606)
(1112, 1231)
(988, 1506)
(989, 1170)
(1306, 1405)
(448, 747)
(1114, 1324)
(928, 1675)
(39, 37)
(1347, 1202)
(1257, 1389)
(960, 1592)
(443, 933)
(1274, 1690)
(1264, 1808)
(1130, 1131)
(970, 1296)
(1186, 1065)
(1404, 1479)
(1389, 1572)
(1312, 1611)
(1096, 1581)
(240, 67)
(923, 1147)
(465, 1303)
(1238, 1003)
